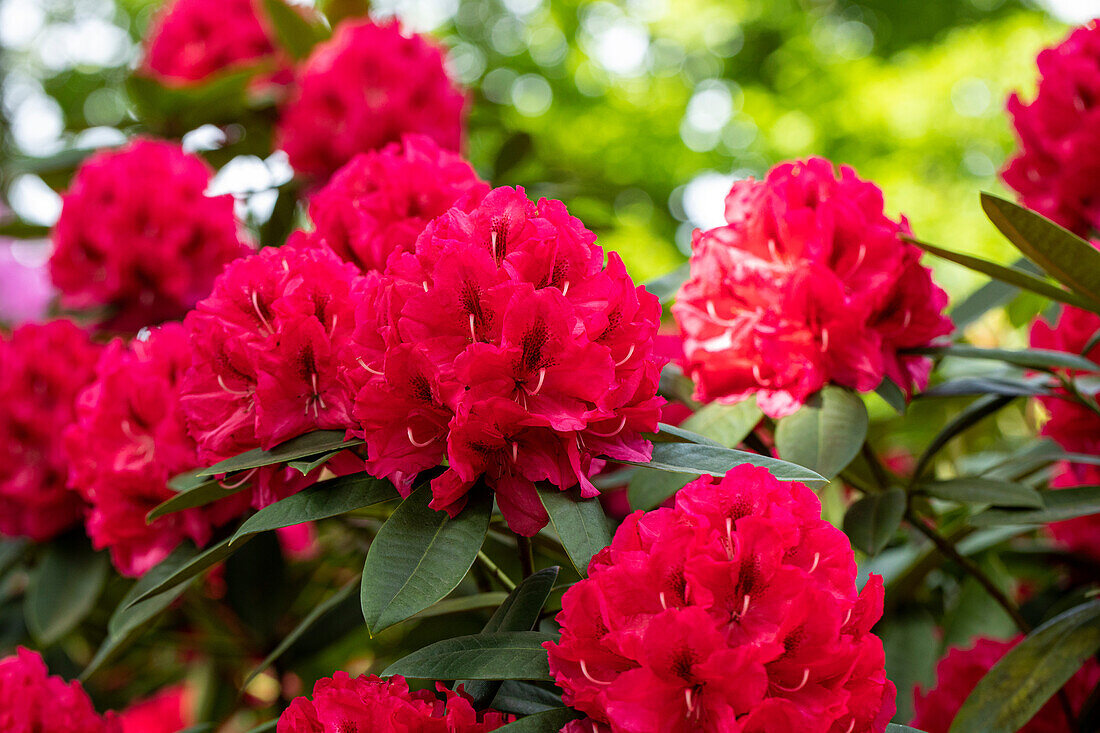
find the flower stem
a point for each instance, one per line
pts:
(497, 573)
(526, 555)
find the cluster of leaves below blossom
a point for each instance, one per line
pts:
(370, 703)
(735, 611)
(958, 673)
(128, 440)
(1056, 168)
(808, 283)
(1073, 426)
(42, 369)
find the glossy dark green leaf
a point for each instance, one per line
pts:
(650, 488)
(265, 727)
(1057, 505)
(131, 616)
(337, 10)
(1029, 359)
(205, 560)
(512, 152)
(716, 461)
(201, 728)
(580, 523)
(973, 613)
(666, 286)
(462, 604)
(726, 425)
(984, 491)
(295, 33)
(1029, 674)
(973, 386)
(675, 434)
(63, 589)
(520, 611)
(891, 393)
(309, 465)
(320, 501)
(218, 98)
(826, 433)
(1011, 275)
(419, 556)
(548, 721)
(504, 655)
(188, 481)
(524, 698)
(675, 386)
(304, 446)
(202, 494)
(11, 552)
(910, 658)
(991, 295)
(974, 413)
(1063, 255)
(895, 728)
(872, 521)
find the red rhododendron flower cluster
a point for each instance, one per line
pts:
(1056, 168)
(129, 440)
(265, 357)
(193, 39)
(343, 703)
(1073, 426)
(808, 283)
(168, 711)
(364, 88)
(380, 201)
(31, 701)
(42, 369)
(735, 611)
(958, 674)
(138, 233)
(505, 345)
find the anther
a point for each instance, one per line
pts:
(805, 679)
(616, 431)
(629, 354)
(589, 677)
(565, 288)
(409, 432)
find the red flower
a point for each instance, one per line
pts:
(31, 701)
(503, 344)
(384, 706)
(958, 674)
(1074, 427)
(129, 440)
(366, 87)
(267, 349)
(167, 711)
(380, 201)
(809, 283)
(736, 610)
(42, 369)
(1056, 167)
(138, 234)
(193, 39)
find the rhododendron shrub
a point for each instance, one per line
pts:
(128, 440)
(808, 283)
(1055, 169)
(961, 669)
(364, 88)
(380, 201)
(504, 344)
(735, 610)
(145, 258)
(42, 369)
(368, 703)
(32, 701)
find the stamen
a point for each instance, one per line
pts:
(542, 377)
(317, 396)
(745, 606)
(847, 618)
(824, 339)
(852, 725)
(907, 319)
(772, 249)
(425, 444)
(367, 366)
(817, 559)
(756, 374)
(473, 332)
(333, 330)
(688, 700)
(244, 477)
(515, 452)
(805, 679)
(128, 429)
(425, 284)
(862, 254)
(237, 392)
(616, 431)
(629, 354)
(729, 531)
(715, 317)
(493, 237)
(256, 306)
(661, 598)
(565, 288)
(589, 677)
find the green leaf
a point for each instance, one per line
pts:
(895, 728)
(872, 521)
(11, 552)
(520, 611)
(666, 286)
(512, 152)
(675, 386)
(1057, 505)
(891, 393)
(63, 588)
(265, 727)
(826, 433)
(309, 465)
(320, 501)
(548, 721)
(708, 459)
(131, 616)
(1018, 685)
(984, 491)
(340, 596)
(188, 481)
(419, 556)
(580, 523)
(993, 294)
(504, 655)
(294, 32)
(1062, 254)
(192, 569)
(201, 728)
(1029, 359)
(974, 413)
(338, 10)
(973, 612)
(524, 698)
(19, 229)
(727, 425)
(218, 98)
(673, 434)
(971, 386)
(650, 488)
(1092, 343)
(1010, 275)
(910, 658)
(204, 493)
(461, 604)
(304, 446)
